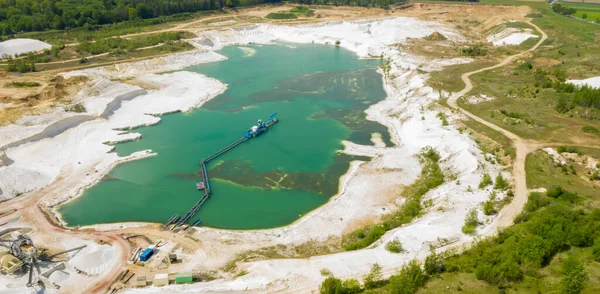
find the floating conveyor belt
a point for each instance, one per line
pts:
(180, 221)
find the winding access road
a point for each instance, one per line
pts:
(522, 146)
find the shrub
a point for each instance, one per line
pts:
(471, 222)
(501, 183)
(574, 276)
(596, 249)
(394, 246)
(443, 117)
(410, 278)
(434, 264)
(568, 149)
(331, 285)
(25, 84)
(373, 278)
(473, 51)
(535, 201)
(559, 192)
(485, 181)
(590, 130)
(281, 15)
(351, 286)
(525, 66)
(488, 208)
(337, 43)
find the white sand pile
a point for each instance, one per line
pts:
(366, 188)
(592, 82)
(18, 46)
(94, 259)
(511, 36)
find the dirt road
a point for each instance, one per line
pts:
(522, 146)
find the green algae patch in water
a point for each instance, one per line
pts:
(320, 94)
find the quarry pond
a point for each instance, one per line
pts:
(319, 92)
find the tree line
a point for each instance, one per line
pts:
(38, 15)
(563, 9)
(570, 95)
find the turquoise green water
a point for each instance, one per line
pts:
(320, 94)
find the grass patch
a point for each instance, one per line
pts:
(590, 130)
(486, 180)
(591, 10)
(542, 172)
(471, 222)
(431, 177)
(494, 135)
(117, 45)
(281, 15)
(394, 246)
(25, 84)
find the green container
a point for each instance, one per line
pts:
(183, 278)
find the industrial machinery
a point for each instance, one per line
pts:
(261, 127)
(22, 248)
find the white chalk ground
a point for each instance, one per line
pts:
(478, 99)
(17, 46)
(511, 36)
(79, 157)
(592, 82)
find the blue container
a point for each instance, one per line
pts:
(146, 254)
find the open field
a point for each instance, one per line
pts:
(592, 10)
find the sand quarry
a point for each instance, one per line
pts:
(50, 158)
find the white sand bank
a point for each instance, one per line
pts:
(13, 47)
(592, 82)
(511, 36)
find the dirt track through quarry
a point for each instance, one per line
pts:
(522, 146)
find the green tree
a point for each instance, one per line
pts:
(331, 285)
(434, 264)
(132, 13)
(471, 222)
(501, 183)
(351, 286)
(584, 16)
(485, 181)
(373, 279)
(410, 278)
(574, 276)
